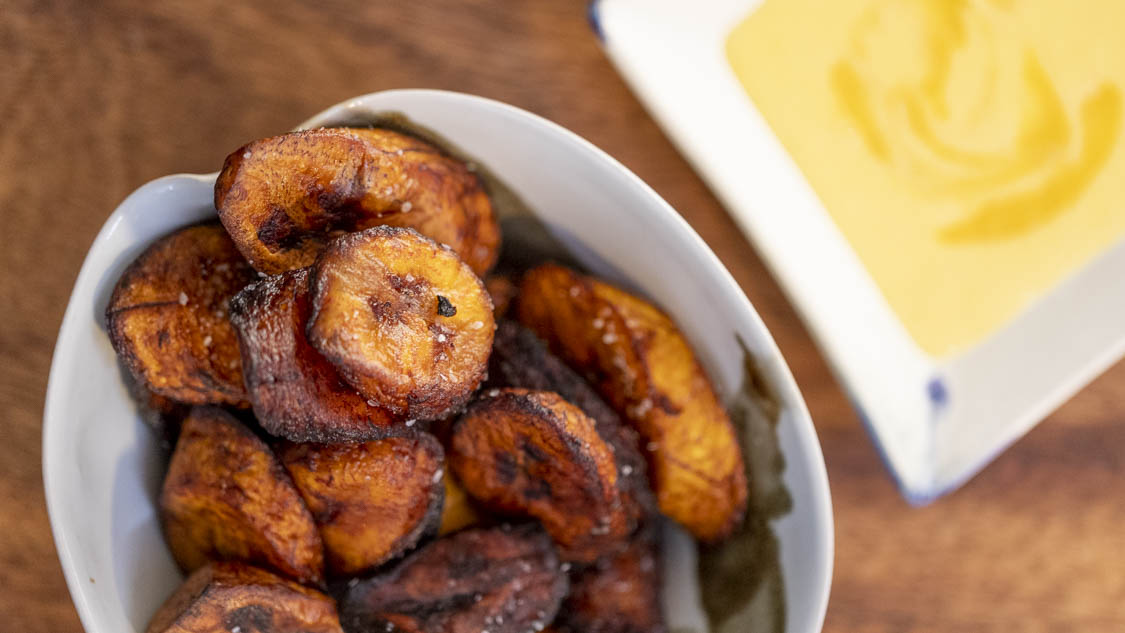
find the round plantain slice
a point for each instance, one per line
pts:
(296, 393)
(229, 596)
(500, 580)
(635, 356)
(520, 359)
(226, 497)
(531, 453)
(372, 501)
(283, 198)
(167, 317)
(619, 594)
(404, 320)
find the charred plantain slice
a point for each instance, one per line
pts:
(619, 594)
(296, 393)
(637, 359)
(519, 359)
(500, 580)
(403, 320)
(531, 453)
(373, 500)
(284, 198)
(230, 596)
(167, 317)
(226, 497)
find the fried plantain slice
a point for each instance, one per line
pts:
(296, 393)
(503, 291)
(283, 198)
(372, 501)
(229, 596)
(637, 359)
(500, 580)
(519, 359)
(167, 317)
(531, 453)
(226, 497)
(619, 594)
(458, 511)
(403, 320)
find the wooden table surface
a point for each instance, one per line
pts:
(99, 96)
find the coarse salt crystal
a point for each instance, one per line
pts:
(441, 338)
(207, 341)
(183, 298)
(407, 206)
(642, 407)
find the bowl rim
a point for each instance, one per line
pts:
(801, 419)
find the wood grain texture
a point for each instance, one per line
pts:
(97, 97)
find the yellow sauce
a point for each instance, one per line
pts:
(969, 150)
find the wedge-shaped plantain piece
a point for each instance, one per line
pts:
(503, 291)
(403, 320)
(229, 596)
(500, 580)
(519, 359)
(637, 359)
(620, 594)
(296, 393)
(167, 317)
(458, 511)
(532, 453)
(284, 198)
(372, 501)
(226, 497)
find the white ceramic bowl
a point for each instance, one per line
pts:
(102, 467)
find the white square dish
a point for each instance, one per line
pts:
(937, 419)
(102, 466)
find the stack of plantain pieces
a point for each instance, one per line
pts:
(363, 442)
